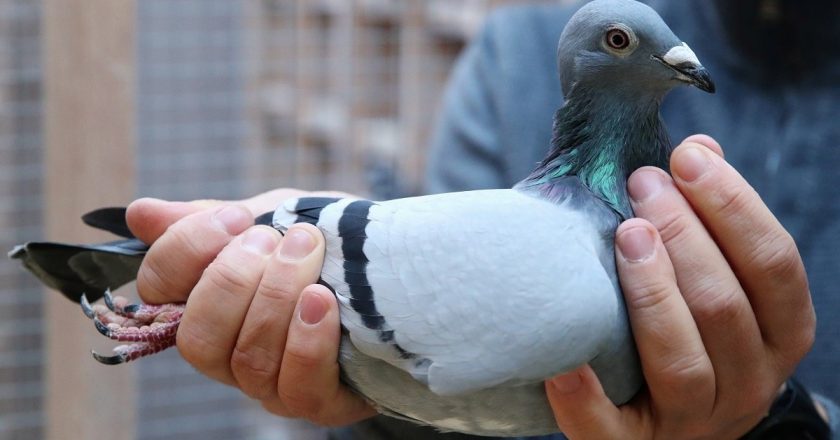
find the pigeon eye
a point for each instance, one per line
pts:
(617, 39)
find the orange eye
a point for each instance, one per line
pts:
(617, 39)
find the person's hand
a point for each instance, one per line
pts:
(254, 319)
(718, 302)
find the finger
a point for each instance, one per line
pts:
(177, 259)
(259, 348)
(707, 141)
(582, 410)
(309, 384)
(673, 357)
(218, 304)
(761, 252)
(148, 218)
(712, 292)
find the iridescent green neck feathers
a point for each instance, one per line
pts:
(601, 140)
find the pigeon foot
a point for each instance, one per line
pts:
(151, 328)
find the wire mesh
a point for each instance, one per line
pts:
(21, 388)
(232, 98)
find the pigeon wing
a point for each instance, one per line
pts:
(468, 290)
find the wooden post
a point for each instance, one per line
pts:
(89, 76)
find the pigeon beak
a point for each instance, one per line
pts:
(699, 77)
(682, 60)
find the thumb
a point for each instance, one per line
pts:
(581, 408)
(149, 218)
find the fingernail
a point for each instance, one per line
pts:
(644, 185)
(312, 308)
(233, 219)
(297, 244)
(707, 142)
(635, 245)
(260, 240)
(567, 383)
(691, 164)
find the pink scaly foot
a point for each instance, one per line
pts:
(152, 328)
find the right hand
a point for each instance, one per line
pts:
(254, 317)
(718, 302)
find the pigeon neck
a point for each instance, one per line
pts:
(600, 139)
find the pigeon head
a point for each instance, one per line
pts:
(624, 47)
(617, 60)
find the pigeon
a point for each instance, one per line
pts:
(456, 307)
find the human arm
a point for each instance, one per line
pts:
(718, 301)
(465, 145)
(252, 315)
(495, 120)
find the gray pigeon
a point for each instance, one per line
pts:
(449, 320)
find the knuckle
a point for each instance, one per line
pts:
(687, 371)
(579, 421)
(299, 355)
(254, 368)
(648, 294)
(226, 277)
(807, 336)
(152, 279)
(797, 345)
(778, 258)
(716, 304)
(330, 420)
(195, 348)
(673, 227)
(806, 333)
(301, 404)
(280, 288)
(732, 201)
(183, 236)
(191, 354)
(275, 406)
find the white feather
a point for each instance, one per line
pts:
(489, 287)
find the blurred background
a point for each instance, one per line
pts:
(103, 101)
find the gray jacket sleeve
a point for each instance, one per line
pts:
(466, 146)
(495, 122)
(833, 413)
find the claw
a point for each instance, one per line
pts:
(102, 328)
(127, 353)
(116, 359)
(127, 310)
(109, 301)
(87, 309)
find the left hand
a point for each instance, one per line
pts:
(252, 320)
(718, 302)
